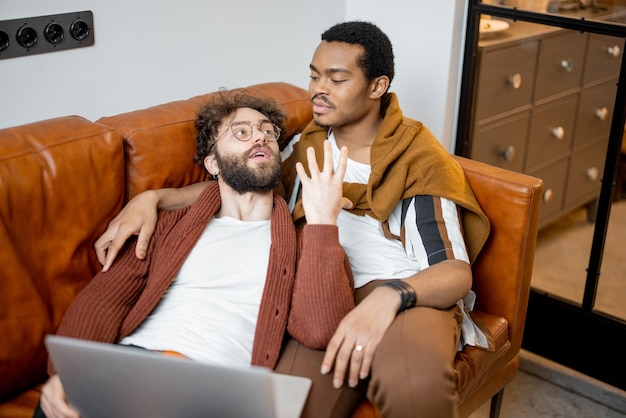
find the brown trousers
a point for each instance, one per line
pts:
(412, 373)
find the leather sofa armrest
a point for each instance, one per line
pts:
(512, 203)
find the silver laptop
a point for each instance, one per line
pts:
(108, 380)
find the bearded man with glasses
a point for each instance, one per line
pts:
(232, 266)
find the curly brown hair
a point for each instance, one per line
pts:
(212, 115)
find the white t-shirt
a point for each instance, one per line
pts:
(210, 310)
(432, 233)
(374, 256)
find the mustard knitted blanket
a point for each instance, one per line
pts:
(406, 160)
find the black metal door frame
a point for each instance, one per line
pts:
(570, 334)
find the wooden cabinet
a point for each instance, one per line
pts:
(551, 131)
(560, 63)
(506, 79)
(543, 105)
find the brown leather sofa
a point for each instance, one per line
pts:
(62, 180)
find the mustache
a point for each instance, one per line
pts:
(322, 98)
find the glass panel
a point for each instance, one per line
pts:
(530, 5)
(562, 256)
(613, 11)
(564, 242)
(543, 105)
(612, 283)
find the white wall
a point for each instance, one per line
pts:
(149, 51)
(428, 38)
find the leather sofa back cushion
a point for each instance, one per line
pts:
(161, 140)
(61, 182)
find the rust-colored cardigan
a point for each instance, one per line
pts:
(309, 285)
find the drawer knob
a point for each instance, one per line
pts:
(593, 173)
(548, 195)
(568, 65)
(516, 80)
(558, 132)
(614, 51)
(508, 153)
(602, 113)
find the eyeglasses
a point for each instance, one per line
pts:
(243, 130)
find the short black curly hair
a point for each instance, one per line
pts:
(378, 57)
(213, 113)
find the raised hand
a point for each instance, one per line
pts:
(322, 191)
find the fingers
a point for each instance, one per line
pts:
(313, 167)
(145, 234)
(356, 358)
(139, 217)
(312, 161)
(360, 363)
(352, 361)
(110, 256)
(342, 164)
(114, 248)
(366, 364)
(301, 172)
(336, 356)
(350, 351)
(329, 170)
(331, 352)
(328, 159)
(322, 198)
(109, 244)
(102, 244)
(349, 358)
(53, 402)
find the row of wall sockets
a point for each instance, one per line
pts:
(42, 34)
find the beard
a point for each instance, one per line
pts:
(235, 172)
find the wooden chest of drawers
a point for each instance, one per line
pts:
(543, 106)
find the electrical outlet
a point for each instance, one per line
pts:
(41, 34)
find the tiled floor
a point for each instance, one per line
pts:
(543, 388)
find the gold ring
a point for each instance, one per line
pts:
(359, 348)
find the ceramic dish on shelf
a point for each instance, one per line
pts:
(489, 27)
